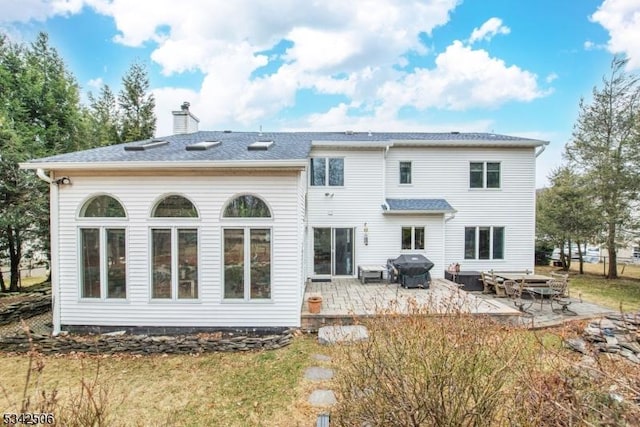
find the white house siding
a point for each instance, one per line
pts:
(444, 173)
(359, 202)
(209, 192)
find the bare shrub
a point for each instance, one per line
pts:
(423, 370)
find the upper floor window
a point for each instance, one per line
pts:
(484, 175)
(405, 172)
(413, 238)
(327, 171)
(174, 206)
(484, 242)
(102, 206)
(247, 206)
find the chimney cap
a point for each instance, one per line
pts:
(185, 106)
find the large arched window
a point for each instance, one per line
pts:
(247, 206)
(173, 207)
(174, 251)
(247, 250)
(103, 250)
(102, 206)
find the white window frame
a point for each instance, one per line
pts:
(491, 243)
(485, 173)
(175, 279)
(413, 237)
(246, 278)
(326, 172)
(104, 273)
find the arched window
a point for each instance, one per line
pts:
(174, 251)
(247, 206)
(246, 251)
(174, 206)
(102, 206)
(103, 251)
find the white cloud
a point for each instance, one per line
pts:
(96, 83)
(463, 78)
(36, 10)
(621, 18)
(489, 29)
(551, 77)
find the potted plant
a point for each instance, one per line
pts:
(315, 303)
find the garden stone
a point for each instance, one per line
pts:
(322, 398)
(318, 374)
(321, 357)
(337, 334)
(578, 345)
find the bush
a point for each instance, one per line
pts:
(426, 370)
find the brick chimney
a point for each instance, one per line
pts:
(184, 121)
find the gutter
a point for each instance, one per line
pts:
(542, 148)
(385, 151)
(298, 164)
(53, 230)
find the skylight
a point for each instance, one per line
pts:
(202, 145)
(260, 145)
(147, 145)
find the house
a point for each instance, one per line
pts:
(222, 229)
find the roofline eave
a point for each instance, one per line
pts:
(147, 165)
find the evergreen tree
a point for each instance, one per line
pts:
(103, 118)
(605, 148)
(138, 120)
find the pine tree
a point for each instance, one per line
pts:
(138, 120)
(605, 148)
(103, 118)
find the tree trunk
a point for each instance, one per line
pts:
(568, 266)
(611, 248)
(580, 259)
(3, 287)
(14, 260)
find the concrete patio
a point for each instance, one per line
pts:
(346, 300)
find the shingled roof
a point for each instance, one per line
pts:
(234, 146)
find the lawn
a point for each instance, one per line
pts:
(254, 388)
(618, 294)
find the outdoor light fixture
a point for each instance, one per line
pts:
(366, 234)
(63, 181)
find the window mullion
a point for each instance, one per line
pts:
(491, 242)
(477, 248)
(413, 238)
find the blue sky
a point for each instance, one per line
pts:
(504, 66)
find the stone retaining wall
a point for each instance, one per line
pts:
(142, 344)
(34, 304)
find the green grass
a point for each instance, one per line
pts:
(231, 389)
(617, 294)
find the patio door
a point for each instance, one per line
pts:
(333, 250)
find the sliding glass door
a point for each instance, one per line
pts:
(333, 251)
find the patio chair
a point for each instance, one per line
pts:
(488, 283)
(560, 295)
(513, 290)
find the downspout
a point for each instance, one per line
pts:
(53, 268)
(444, 236)
(384, 176)
(542, 148)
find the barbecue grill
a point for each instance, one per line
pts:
(411, 271)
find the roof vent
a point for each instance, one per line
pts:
(260, 145)
(227, 131)
(349, 132)
(146, 145)
(455, 133)
(202, 145)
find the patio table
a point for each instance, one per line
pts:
(536, 291)
(538, 279)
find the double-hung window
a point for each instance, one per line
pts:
(246, 240)
(174, 250)
(484, 242)
(327, 171)
(484, 175)
(413, 238)
(103, 249)
(405, 172)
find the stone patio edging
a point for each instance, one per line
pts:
(143, 344)
(34, 304)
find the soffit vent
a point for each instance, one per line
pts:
(202, 145)
(260, 145)
(146, 145)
